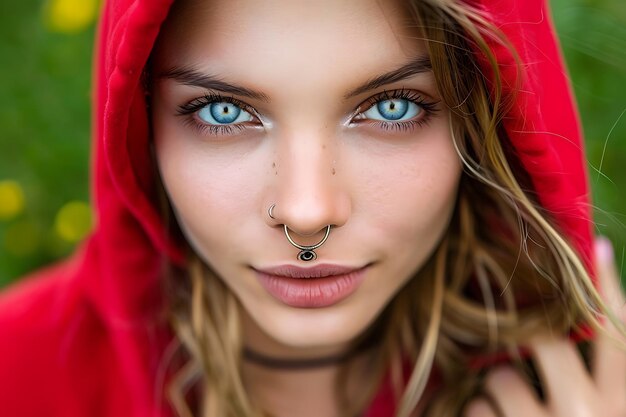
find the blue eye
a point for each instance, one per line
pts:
(393, 110)
(223, 113)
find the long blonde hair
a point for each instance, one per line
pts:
(501, 273)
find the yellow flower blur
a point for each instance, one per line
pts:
(11, 199)
(73, 221)
(70, 16)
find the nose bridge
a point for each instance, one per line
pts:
(309, 193)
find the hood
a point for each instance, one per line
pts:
(124, 256)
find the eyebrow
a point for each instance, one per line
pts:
(192, 77)
(417, 65)
(195, 78)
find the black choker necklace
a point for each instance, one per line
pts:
(302, 364)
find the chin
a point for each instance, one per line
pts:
(318, 327)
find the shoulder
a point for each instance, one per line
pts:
(47, 333)
(37, 304)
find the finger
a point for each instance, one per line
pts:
(568, 386)
(608, 358)
(479, 408)
(512, 394)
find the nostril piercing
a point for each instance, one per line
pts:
(270, 211)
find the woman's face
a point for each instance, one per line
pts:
(328, 110)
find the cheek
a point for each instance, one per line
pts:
(409, 206)
(212, 191)
(412, 193)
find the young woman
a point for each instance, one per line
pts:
(330, 208)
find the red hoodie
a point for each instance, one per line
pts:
(86, 337)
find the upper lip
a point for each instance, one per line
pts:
(318, 271)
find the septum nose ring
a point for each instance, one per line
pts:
(307, 253)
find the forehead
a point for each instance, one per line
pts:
(305, 31)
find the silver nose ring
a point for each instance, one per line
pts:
(307, 253)
(270, 211)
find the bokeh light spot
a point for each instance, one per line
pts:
(11, 199)
(73, 221)
(70, 16)
(22, 238)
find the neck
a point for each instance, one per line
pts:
(294, 364)
(304, 391)
(300, 382)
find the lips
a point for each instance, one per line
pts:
(315, 287)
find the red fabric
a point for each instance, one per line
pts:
(85, 337)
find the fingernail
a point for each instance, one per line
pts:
(604, 250)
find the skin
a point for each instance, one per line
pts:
(389, 194)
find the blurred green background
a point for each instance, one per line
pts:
(46, 48)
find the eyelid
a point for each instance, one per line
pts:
(191, 108)
(428, 105)
(199, 102)
(403, 93)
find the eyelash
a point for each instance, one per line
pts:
(197, 104)
(429, 108)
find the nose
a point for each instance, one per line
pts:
(309, 194)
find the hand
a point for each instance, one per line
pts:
(571, 391)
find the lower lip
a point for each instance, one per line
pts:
(312, 292)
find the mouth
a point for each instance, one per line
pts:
(315, 287)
